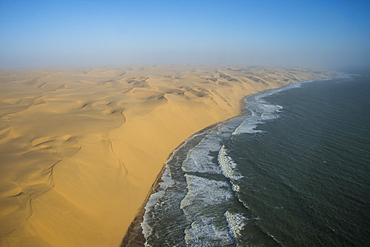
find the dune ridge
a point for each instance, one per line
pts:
(81, 148)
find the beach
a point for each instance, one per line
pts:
(80, 149)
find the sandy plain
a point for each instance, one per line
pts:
(81, 148)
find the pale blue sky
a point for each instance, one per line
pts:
(49, 33)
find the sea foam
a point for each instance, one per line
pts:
(199, 159)
(236, 223)
(204, 192)
(202, 206)
(204, 233)
(153, 200)
(228, 166)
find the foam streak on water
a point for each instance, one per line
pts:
(227, 164)
(236, 223)
(199, 159)
(203, 207)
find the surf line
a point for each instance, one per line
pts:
(134, 235)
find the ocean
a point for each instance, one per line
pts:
(294, 170)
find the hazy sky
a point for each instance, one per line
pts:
(49, 33)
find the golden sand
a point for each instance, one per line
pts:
(80, 149)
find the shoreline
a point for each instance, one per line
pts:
(169, 228)
(100, 158)
(134, 236)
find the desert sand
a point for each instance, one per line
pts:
(81, 148)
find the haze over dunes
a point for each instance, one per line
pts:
(327, 34)
(80, 149)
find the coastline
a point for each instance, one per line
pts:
(97, 157)
(134, 236)
(166, 223)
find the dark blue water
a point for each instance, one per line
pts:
(294, 171)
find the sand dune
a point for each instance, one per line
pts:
(80, 149)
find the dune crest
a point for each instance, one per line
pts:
(80, 149)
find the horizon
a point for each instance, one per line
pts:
(49, 34)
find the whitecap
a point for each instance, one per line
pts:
(228, 165)
(236, 223)
(199, 159)
(204, 192)
(249, 125)
(204, 233)
(202, 206)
